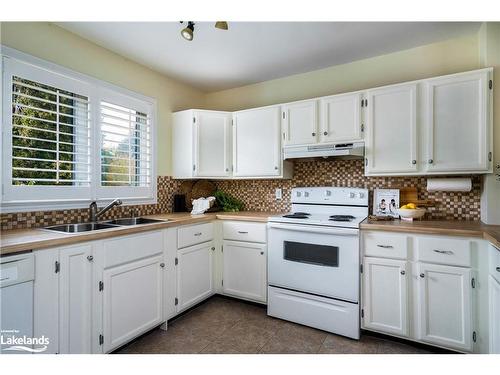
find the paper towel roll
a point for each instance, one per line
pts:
(449, 184)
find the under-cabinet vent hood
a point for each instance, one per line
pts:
(345, 150)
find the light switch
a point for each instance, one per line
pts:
(278, 194)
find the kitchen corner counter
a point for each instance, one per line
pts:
(18, 240)
(490, 233)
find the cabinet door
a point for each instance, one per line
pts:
(300, 122)
(212, 146)
(445, 306)
(341, 118)
(46, 298)
(391, 130)
(458, 123)
(132, 300)
(194, 274)
(75, 303)
(257, 143)
(385, 295)
(494, 311)
(244, 270)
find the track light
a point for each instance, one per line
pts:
(188, 31)
(221, 25)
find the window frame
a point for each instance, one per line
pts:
(43, 197)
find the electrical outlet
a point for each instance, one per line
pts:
(278, 193)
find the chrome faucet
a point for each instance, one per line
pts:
(94, 214)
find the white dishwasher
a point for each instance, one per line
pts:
(17, 273)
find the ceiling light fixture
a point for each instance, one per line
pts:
(188, 31)
(221, 25)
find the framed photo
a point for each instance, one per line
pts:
(386, 202)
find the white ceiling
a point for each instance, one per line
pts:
(251, 52)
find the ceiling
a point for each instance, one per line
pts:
(251, 52)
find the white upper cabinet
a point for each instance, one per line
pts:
(341, 118)
(256, 143)
(300, 122)
(457, 121)
(201, 144)
(391, 129)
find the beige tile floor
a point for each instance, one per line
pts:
(226, 326)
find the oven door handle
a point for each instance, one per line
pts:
(314, 229)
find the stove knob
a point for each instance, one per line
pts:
(361, 195)
(352, 195)
(299, 194)
(328, 193)
(306, 194)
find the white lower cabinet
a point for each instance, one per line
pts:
(132, 300)
(494, 311)
(62, 298)
(445, 306)
(385, 295)
(244, 270)
(194, 274)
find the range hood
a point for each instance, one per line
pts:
(344, 150)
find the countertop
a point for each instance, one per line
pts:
(19, 240)
(465, 228)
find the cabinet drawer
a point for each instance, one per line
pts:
(244, 231)
(494, 262)
(128, 248)
(444, 250)
(378, 244)
(194, 234)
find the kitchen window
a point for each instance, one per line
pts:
(68, 139)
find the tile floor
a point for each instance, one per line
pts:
(227, 326)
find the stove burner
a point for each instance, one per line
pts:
(297, 215)
(341, 218)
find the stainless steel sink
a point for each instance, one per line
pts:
(135, 221)
(81, 227)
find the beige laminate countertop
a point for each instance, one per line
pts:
(490, 233)
(18, 240)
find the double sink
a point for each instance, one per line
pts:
(87, 227)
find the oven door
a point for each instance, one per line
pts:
(313, 259)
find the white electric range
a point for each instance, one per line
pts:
(313, 259)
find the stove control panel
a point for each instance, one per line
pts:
(330, 195)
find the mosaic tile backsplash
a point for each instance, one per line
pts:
(258, 195)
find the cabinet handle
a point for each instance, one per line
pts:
(213, 248)
(386, 246)
(313, 134)
(261, 253)
(431, 161)
(162, 265)
(90, 258)
(414, 162)
(242, 232)
(447, 252)
(498, 269)
(403, 272)
(325, 133)
(197, 234)
(276, 168)
(227, 169)
(422, 275)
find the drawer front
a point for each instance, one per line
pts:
(385, 245)
(244, 231)
(128, 248)
(194, 234)
(494, 262)
(444, 250)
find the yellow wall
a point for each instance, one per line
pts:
(52, 43)
(446, 57)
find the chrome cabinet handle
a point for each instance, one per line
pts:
(431, 161)
(414, 162)
(313, 134)
(162, 265)
(403, 272)
(213, 248)
(325, 133)
(498, 269)
(386, 246)
(261, 253)
(90, 258)
(447, 252)
(242, 232)
(422, 275)
(197, 234)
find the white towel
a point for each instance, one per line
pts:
(201, 205)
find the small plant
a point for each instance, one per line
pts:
(228, 202)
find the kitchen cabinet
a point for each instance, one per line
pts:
(244, 270)
(257, 144)
(385, 295)
(62, 298)
(341, 118)
(201, 144)
(300, 122)
(445, 306)
(132, 300)
(457, 119)
(391, 130)
(494, 312)
(194, 274)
